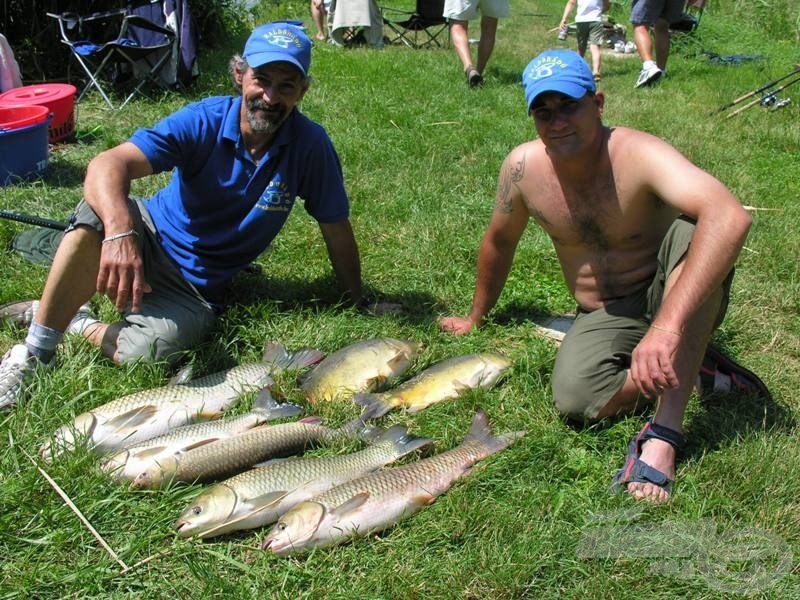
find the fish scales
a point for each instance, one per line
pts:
(226, 457)
(148, 413)
(259, 496)
(359, 367)
(444, 380)
(379, 500)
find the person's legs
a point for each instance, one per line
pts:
(672, 404)
(645, 13)
(459, 37)
(644, 44)
(661, 30)
(318, 16)
(594, 49)
(486, 45)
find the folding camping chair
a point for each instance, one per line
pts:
(690, 19)
(421, 28)
(137, 52)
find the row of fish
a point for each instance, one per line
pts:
(354, 371)
(153, 438)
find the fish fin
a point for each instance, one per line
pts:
(182, 376)
(133, 418)
(266, 405)
(282, 360)
(149, 452)
(274, 461)
(311, 420)
(398, 359)
(265, 501)
(421, 499)
(481, 432)
(199, 444)
(351, 504)
(375, 404)
(404, 443)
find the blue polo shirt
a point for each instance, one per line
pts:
(221, 210)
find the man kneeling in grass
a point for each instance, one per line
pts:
(238, 162)
(646, 241)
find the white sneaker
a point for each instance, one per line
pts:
(630, 48)
(619, 47)
(648, 76)
(16, 369)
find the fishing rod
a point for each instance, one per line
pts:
(757, 100)
(763, 88)
(33, 220)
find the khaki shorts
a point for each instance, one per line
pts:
(590, 32)
(174, 317)
(593, 361)
(467, 10)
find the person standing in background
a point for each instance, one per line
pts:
(589, 22)
(460, 12)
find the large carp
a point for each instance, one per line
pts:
(360, 367)
(228, 457)
(129, 462)
(377, 501)
(447, 379)
(148, 413)
(259, 496)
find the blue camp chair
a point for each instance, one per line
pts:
(136, 50)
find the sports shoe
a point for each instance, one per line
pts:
(474, 78)
(648, 76)
(630, 48)
(720, 373)
(619, 47)
(16, 369)
(562, 34)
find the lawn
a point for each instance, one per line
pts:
(420, 153)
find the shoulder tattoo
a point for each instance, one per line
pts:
(512, 174)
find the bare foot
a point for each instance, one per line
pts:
(659, 455)
(320, 37)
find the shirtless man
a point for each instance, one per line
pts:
(621, 208)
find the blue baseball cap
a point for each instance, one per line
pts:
(558, 70)
(281, 41)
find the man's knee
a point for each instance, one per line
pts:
(135, 343)
(573, 399)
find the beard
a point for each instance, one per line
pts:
(268, 124)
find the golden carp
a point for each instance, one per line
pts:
(360, 367)
(447, 379)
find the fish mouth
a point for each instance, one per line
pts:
(267, 544)
(181, 527)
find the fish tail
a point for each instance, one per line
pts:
(272, 409)
(481, 432)
(374, 404)
(282, 360)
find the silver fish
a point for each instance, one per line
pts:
(447, 379)
(148, 413)
(259, 496)
(128, 463)
(377, 501)
(228, 457)
(359, 367)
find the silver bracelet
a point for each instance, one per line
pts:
(119, 236)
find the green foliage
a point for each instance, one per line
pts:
(779, 19)
(421, 155)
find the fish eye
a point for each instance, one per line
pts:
(281, 526)
(197, 509)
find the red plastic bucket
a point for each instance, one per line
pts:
(59, 98)
(17, 117)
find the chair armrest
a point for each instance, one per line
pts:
(145, 23)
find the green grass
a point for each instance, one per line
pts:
(421, 153)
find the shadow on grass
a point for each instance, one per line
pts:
(323, 292)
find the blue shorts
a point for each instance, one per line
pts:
(647, 12)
